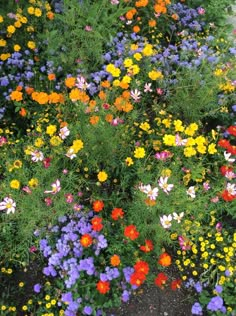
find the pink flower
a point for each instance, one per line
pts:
(64, 132)
(48, 201)
(159, 91)
(219, 227)
(88, 28)
(201, 11)
(33, 249)
(46, 162)
(184, 243)
(3, 141)
(163, 155)
(56, 187)
(37, 156)
(26, 189)
(69, 197)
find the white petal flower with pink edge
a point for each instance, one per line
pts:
(8, 204)
(56, 187)
(166, 221)
(164, 185)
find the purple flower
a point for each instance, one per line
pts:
(215, 304)
(125, 296)
(67, 297)
(37, 288)
(234, 107)
(219, 288)
(198, 287)
(87, 310)
(196, 309)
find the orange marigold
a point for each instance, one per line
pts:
(164, 259)
(16, 96)
(115, 260)
(147, 247)
(98, 206)
(94, 119)
(136, 29)
(131, 232)
(86, 240)
(103, 286)
(51, 77)
(117, 213)
(23, 112)
(141, 3)
(141, 266)
(70, 82)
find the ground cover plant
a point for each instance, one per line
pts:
(118, 150)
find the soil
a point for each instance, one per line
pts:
(153, 301)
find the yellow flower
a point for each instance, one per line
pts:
(138, 56)
(166, 173)
(17, 48)
(129, 161)
(154, 75)
(3, 43)
(126, 79)
(1, 19)
(51, 130)
(33, 183)
(47, 297)
(166, 122)
(55, 141)
(38, 142)
(102, 176)
(169, 140)
(128, 62)
(4, 57)
(21, 284)
(31, 44)
(24, 308)
(144, 126)
(201, 149)
(30, 10)
(23, 19)
(139, 152)
(148, 50)
(17, 24)
(37, 12)
(134, 69)
(11, 29)
(191, 129)
(77, 145)
(212, 149)
(189, 151)
(15, 184)
(178, 126)
(17, 164)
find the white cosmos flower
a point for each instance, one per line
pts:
(164, 185)
(71, 153)
(191, 192)
(56, 187)
(37, 156)
(231, 188)
(153, 193)
(227, 157)
(147, 87)
(135, 95)
(64, 132)
(8, 204)
(178, 217)
(166, 221)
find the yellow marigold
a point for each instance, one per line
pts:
(11, 29)
(201, 149)
(145, 126)
(1, 19)
(30, 10)
(178, 125)
(51, 130)
(102, 176)
(200, 140)
(17, 48)
(37, 12)
(166, 122)
(33, 183)
(126, 79)
(56, 141)
(128, 62)
(4, 57)
(31, 44)
(3, 43)
(148, 50)
(138, 56)
(169, 140)
(17, 24)
(77, 145)
(15, 184)
(17, 164)
(191, 129)
(139, 152)
(189, 151)
(24, 19)
(212, 149)
(154, 75)
(129, 161)
(38, 142)
(191, 141)
(133, 70)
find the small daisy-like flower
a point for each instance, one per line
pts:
(8, 204)
(71, 153)
(37, 156)
(191, 192)
(227, 157)
(56, 187)
(135, 95)
(164, 185)
(64, 132)
(178, 217)
(147, 87)
(82, 83)
(231, 188)
(166, 221)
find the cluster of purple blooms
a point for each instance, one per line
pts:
(76, 266)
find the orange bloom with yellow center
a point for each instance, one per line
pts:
(131, 232)
(23, 112)
(164, 259)
(141, 266)
(51, 77)
(70, 82)
(117, 213)
(86, 240)
(16, 96)
(103, 286)
(115, 260)
(94, 119)
(98, 206)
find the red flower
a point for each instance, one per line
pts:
(86, 240)
(161, 279)
(103, 286)
(98, 206)
(176, 284)
(46, 162)
(232, 150)
(164, 259)
(97, 224)
(131, 232)
(224, 169)
(141, 266)
(117, 213)
(227, 196)
(224, 143)
(137, 278)
(232, 130)
(147, 247)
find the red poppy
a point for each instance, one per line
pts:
(103, 286)
(224, 143)
(131, 232)
(98, 206)
(224, 169)
(176, 284)
(86, 240)
(227, 196)
(141, 266)
(232, 130)
(161, 279)
(117, 213)
(164, 259)
(147, 247)
(97, 224)
(137, 278)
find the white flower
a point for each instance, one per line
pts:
(164, 185)
(8, 204)
(191, 192)
(178, 217)
(82, 83)
(179, 141)
(70, 153)
(135, 95)
(147, 189)
(227, 157)
(56, 187)
(231, 188)
(64, 132)
(147, 87)
(166, 221)
(230, 175)
(37, 156)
